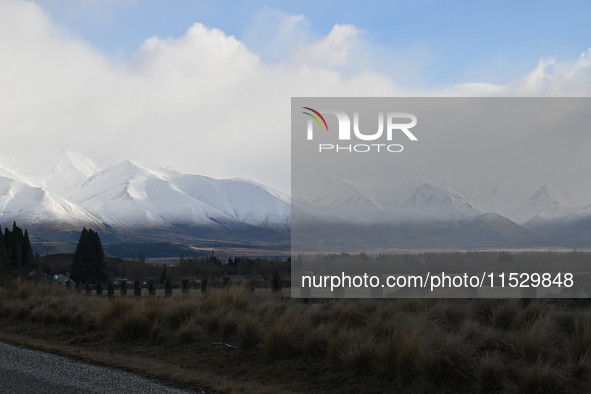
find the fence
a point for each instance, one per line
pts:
(151, 287)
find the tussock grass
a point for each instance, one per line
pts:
(249, 332)
(481, 345)
(316, 341)
(339, 344)
(491, 372)
(285, 336)
(358, 357)
(117, 309)
(542, 377)
(132, 326)
(178, 313)
(399, 357)
(189, 332)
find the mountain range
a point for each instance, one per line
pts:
(55, 194)
(410, 211)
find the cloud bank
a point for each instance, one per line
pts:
(204, 102)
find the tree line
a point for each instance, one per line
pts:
(17, 258)
(16, 253)
(89, 263)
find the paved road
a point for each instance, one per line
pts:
(24, 371)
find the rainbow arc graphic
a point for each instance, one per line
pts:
(315, 118)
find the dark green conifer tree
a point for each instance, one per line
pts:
(88, 263)
(100, 267)
(5, 263)
(27, 250)
(18, 246)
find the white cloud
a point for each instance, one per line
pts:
(121, 3)
(553, 78)
(275, 35)
(336, 49)
(203, 102)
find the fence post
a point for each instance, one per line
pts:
(110, 289)
(137, 289)
(88, 289)
(185, 286)
(123, 290)
(167, 288)
(204, 285)
(151, 290)
(99, 288)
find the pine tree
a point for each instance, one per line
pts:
(27, 250)
(100, 267)
(18, 246)
(5, 263)
(88, 263)
(79, 267)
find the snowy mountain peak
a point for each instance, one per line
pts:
(545, 199)
(342, 193)
(66, 190)
(74, 162)
(30, 206)
(549, 195)
(443, 204)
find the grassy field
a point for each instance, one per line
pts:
(238, 341)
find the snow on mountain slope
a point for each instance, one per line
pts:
(559, 215)
(241, 200)
(9, 175)
(545, 199)
(341, 193)
(398, 196)
(67, 190)
(71, 169)
(33, 206)
(437, 203)
(130, 195)
(58, 172)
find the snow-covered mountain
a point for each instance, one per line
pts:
(61, 192)
(33, 206)
(409, 209)
(438, 203)
(545, 199)
(66, 191)
(342, 193)
(403, 198)
(132, 195)
(59, 172)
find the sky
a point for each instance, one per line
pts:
(205, 86)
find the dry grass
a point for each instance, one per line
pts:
(480, 345)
